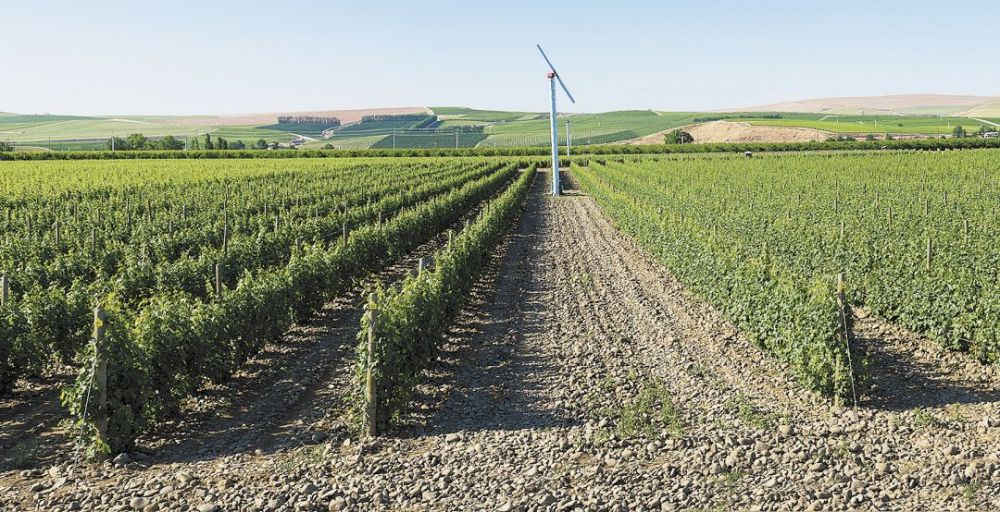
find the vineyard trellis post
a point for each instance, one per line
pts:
(4, 290)
(930, 254)
(842, 308)
(371, 391)
(218, 281)
(100, 375)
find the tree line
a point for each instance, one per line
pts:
(139, 142)
(330, 121)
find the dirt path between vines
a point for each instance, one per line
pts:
(583, 377)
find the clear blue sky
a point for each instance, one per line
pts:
(97, 57)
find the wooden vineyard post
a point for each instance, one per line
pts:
(58, 234)
(100, 375)
(4, 290)
(371, 391)
(928, 257)
(965, 227)
(845, 327)
(218, 281)
(421, 265)
(344, 229)
(889, 217)
(225, 238)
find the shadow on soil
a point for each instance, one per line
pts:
(903, 382)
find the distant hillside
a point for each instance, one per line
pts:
(902, 104)
(988, 109)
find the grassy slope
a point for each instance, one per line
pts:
(360, 142)
(924, 125)
(501, 128)
(481, 116)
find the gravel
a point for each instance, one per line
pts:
(534, 405)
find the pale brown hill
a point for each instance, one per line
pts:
(727, 131)
(928, 104)
(346, 116)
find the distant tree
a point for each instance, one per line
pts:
(888, 136)
(959, 132)
(220, 143)
(138, 141)
(195, 144)
(260, 144)
(170, 143)
(678, 137)
(6, 146)
(208, 142)
(870, 136)
(329, 146)
(117, 144)
(238, 145)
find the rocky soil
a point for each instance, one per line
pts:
(581, 377)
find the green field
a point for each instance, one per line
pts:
(764, 239)
(482, 116)
(501, 129)
(918, 125)
(602, 128)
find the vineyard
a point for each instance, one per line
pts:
(180, 254)
(914, 237)
(707, 330)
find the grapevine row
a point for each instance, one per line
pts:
(404, 323)
(155, 357)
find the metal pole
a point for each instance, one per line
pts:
(555, 136)
(569, 140)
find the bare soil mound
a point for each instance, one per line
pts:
(727, 131)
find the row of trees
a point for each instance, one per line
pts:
(139, 142)
(330, 121)
(221, 143)
(396, 117)
(6, 145)
(960, 132)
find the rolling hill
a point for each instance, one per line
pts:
(901, 104)
(919, 115)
